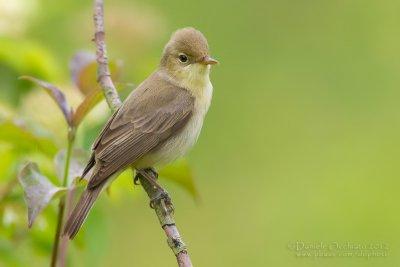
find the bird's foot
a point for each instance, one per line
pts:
(153, 175)
(161, 196)
(165, 201)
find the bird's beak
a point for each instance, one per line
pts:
(207, 60)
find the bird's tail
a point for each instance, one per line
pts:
(81, 211)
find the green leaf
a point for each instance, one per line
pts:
(23, 140)
(77, 163)
(56, 94)
(181, 173)
(38, 190)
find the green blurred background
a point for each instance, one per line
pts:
(301, 142)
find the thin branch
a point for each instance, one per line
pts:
(54, 254)
(55, 258)
(63, 246)
(163, 212)
(103, 71)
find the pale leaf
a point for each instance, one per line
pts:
(38, 190)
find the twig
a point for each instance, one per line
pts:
(103, 71)
(63, 246)
(164, 214)
(61, 207)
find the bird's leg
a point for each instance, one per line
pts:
(149, 176)
(161, 195)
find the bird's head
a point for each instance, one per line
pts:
(186, 56)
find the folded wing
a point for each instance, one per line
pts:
(152, 114)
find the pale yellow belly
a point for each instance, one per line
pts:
(176, 147)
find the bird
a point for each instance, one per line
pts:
(158, 122)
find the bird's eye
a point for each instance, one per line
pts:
(183, 58)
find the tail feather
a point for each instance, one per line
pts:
(81, 211)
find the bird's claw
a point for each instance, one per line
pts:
(136, 180)
(164, 199)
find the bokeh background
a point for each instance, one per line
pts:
(301, 143)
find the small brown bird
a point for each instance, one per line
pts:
(158, 122)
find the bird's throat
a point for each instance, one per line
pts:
(195, 78)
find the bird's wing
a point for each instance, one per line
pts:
(152, 114)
